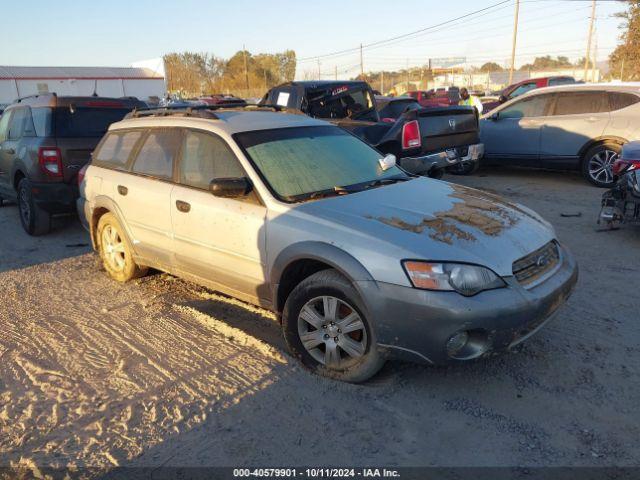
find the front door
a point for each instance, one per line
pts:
(7, 154)
(221, 240)
(513, 132)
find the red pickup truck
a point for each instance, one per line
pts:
(440, 97)
(517, 89)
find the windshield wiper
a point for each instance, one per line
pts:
(384, 181)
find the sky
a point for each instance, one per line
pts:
(118, 32)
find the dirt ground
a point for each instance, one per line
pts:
(161, 372)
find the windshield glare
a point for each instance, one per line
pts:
(297, 162)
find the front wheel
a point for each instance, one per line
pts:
(325, 327)
(597, 164)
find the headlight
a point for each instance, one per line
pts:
(464, 279)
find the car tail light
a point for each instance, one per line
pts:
(621, 166)
(82, 173)
(50, 160)
(411, 135)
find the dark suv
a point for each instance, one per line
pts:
(44, 142)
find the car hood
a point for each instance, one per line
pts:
(434, 220)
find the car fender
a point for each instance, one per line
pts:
(102, 201)
(337, 258)
(604, 138)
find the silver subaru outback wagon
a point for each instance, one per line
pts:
(360, 260)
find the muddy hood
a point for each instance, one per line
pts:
(434, 220)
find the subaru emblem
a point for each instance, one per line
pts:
(452, 123)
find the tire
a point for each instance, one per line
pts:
(34, 219)
(436, 173)
(597, 164)
(115, 250)
(354, 356)
(465, 168)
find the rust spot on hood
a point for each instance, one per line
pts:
(488, 214)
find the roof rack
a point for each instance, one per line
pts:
(205, 111)
(18, 100)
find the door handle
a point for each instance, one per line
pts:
(591, 119)
(183, 207)
(122, 190)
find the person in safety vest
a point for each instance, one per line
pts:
(470, 100)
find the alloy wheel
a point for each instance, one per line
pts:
(601, 166)
(332, 332)
(24, 206)
(113, 247)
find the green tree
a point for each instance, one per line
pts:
(624, 61)
(491, 67)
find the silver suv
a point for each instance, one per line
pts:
(570, 126)
(360, 260)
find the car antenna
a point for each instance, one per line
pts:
(95, 88)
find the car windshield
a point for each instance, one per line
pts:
(310, 162)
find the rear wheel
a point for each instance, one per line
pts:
(34, 219)
(465, 168)
(597, 164)
(325, 327)
(115, 251)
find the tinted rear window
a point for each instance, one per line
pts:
(116, 148)
(86, 122)
(576, 103)
(395, 109)
(619, 100)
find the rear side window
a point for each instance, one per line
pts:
(42, 121)
(82, 121)
(116, 148)
(561, 81)
(157, 155)
(4, 125)
(527, 107)
(576, 103)
(206, 157)
(618, 100)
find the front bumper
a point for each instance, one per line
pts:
(440, 160)
(55, 198)
(416, 324)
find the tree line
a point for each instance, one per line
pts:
(192, 74)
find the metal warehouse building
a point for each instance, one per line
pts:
(16, 82)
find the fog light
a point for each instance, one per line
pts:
(457, 342)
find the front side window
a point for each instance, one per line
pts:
(116, 148)
(4, 125)
(527, 107)
(576, 103)
(298, 162)
(206, 157)
(158, 153)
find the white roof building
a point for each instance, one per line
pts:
(16, 82)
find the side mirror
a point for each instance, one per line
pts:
(230, 187)
(502, 99)
(387, 162)
(494, 116)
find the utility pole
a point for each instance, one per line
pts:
(361, 64)
(595, 59)
(319, 74)
(621, 72)
(588, 55)
(382, 82)
(246, 70)
(407, 74)
(335, 72)
(513, 42)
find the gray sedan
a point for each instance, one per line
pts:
(567, 127)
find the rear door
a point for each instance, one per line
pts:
(576, 118)
(221, 240)
(144, 195)
(515, 133)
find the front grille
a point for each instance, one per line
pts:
(533, 268)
